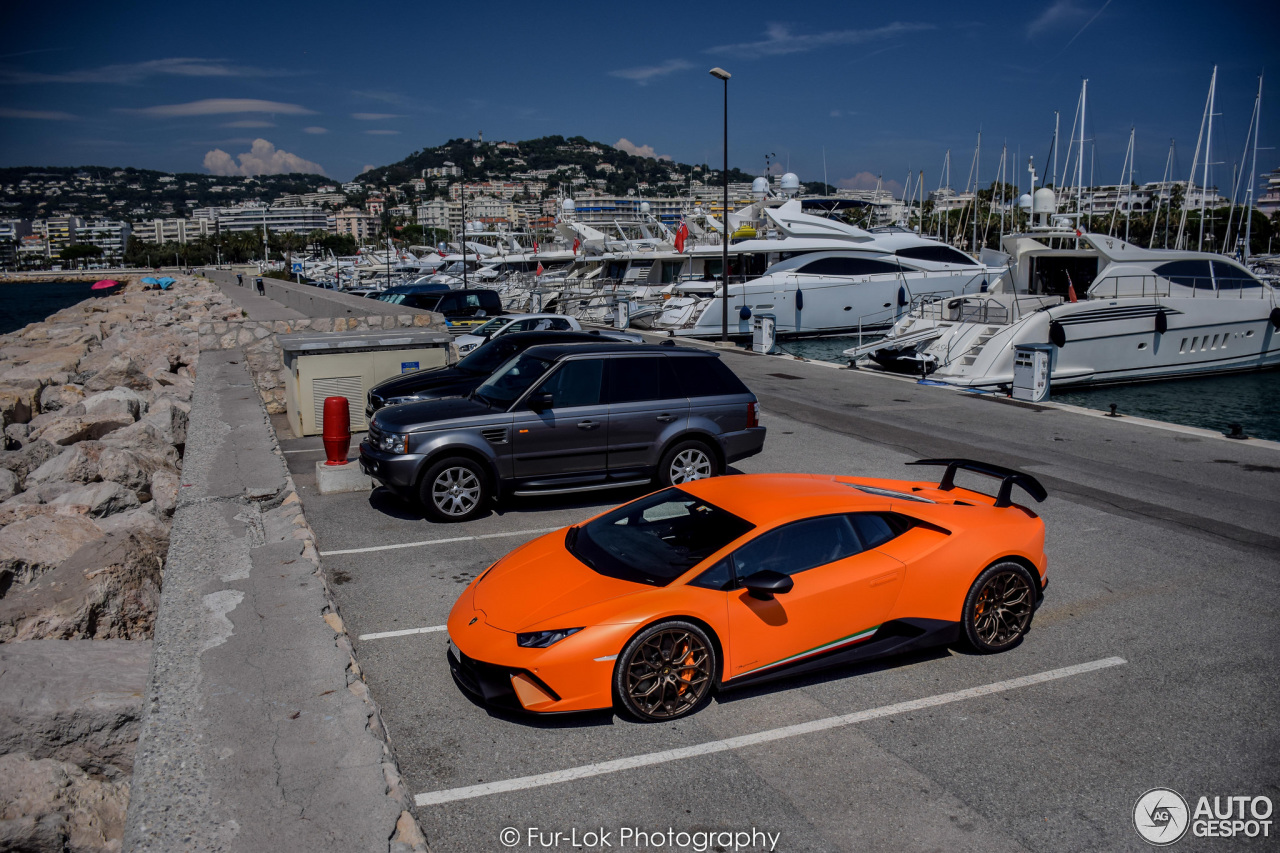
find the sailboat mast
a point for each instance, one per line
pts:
(977, 159)
(1084, 89)
(1208, 147)
(1128, 188)
(1054, 173)
(1253, 173)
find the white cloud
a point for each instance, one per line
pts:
(249, 122)
(219, 106)
(315, 130)
(867, 181)
(382, 132)
(1056, 14)
(262, 158)
(779, 40)
(646, 73)
(374, 116)
(43, 115)
(367, 168)
(135, 71)
(630, 147)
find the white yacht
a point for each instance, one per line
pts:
(821, 276)
(1113, 312)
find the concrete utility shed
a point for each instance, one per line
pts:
(331, 364)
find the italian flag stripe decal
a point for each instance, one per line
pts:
(843, 641)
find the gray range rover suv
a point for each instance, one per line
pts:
(566, 418)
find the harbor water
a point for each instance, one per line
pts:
(1249, 399)
(30, 302)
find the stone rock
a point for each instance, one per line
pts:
(31, 547)
(107, 418)
(132, 465)
(74, 701)
(49, 492)
(164, 491)
(77, 464)
(43, 366)
(18, 404)
(120, 370)
(99, 499)
(49, 806)
(118, 400)
(55, 397)
(9, 484)
(169, 417)
(109, 589)
(16, 435)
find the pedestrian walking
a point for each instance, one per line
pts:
(262, 290)
(240, 279)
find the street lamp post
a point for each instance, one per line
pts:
(721, 74)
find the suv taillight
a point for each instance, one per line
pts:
(753, 415)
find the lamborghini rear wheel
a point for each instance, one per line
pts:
(665, 671)
(999, 607)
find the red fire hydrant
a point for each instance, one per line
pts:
(336, 431)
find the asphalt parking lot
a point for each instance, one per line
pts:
(1151, 663)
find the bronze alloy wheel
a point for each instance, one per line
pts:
(1002, 608)
(666, 672)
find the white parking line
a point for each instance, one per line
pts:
(404, 633)
(308, 450)
(535, 532)
(588, 770)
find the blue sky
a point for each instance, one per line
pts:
(883, 87)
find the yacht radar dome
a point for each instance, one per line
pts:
(1044, 204)
(760, 187)
(567, 205)
(790, 183)
(1024, 201)
(644, 207)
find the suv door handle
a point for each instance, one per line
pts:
(587, 424)
(665, 418)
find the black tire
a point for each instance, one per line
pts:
(686, 461)
(999, 606)
(454, 489)
(667, 671)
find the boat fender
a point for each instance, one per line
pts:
(902, 296)
(1057, 334)
(744, 312)
(799, 300)
(982, 288)
(1162, 322)
(1275, 318)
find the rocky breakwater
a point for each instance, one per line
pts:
(94, 404)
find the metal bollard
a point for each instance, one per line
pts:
(336, 431)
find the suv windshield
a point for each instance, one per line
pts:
(488, 357)
(505, 387)
(655, 539)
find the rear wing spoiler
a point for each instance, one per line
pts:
(1007, 476)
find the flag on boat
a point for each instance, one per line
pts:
(535, 247)
(681, 235)
(1071, 290)
(539, 272)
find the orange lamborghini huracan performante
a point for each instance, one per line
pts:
(717, 583)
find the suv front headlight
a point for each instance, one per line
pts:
(393, 442)
(466, 347)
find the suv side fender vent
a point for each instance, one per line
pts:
(495, 435)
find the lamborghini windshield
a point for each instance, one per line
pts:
(655, 539)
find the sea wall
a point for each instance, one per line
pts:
(337, 312)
